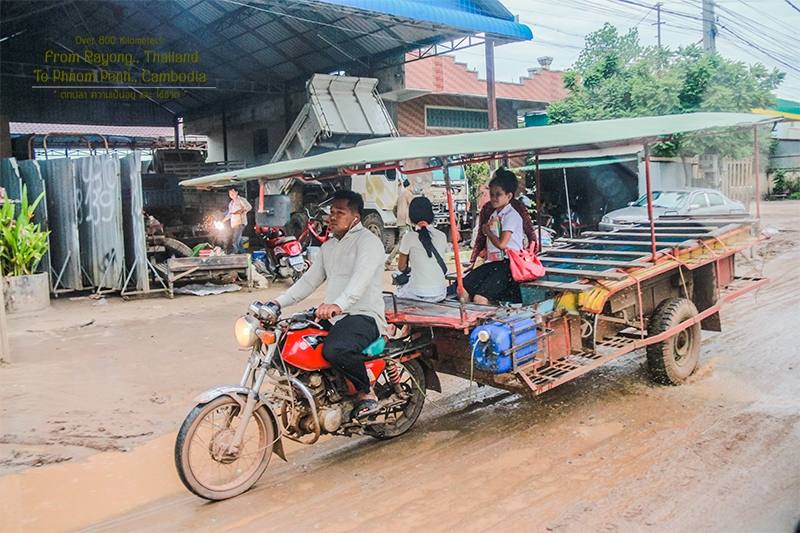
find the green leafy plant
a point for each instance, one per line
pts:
(22, 242)
(794, 196)
(785, 182)
(616, 76)
(477, 174)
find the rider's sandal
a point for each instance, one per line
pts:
(366, 408)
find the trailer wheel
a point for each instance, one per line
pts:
(671, 361)
(177, 248)
(374, 223)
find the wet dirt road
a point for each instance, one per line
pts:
(608, 452)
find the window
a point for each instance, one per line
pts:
(715, 199)
(699, 200)
(665, 199)
(456, 118)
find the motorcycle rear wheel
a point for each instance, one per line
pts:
(199, 441)
(413, 381)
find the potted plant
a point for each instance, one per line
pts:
(22, 245)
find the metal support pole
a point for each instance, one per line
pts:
(176, 131)
(538, 203)
(454, 233)
(224, 135)
(491, 99)
(757, 170)
(5, 352)
(569, 209)
(649, 185)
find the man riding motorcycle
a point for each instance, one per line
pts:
(353, 310)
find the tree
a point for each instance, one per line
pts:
(616, 77)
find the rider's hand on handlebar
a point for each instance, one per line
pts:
(328, 311)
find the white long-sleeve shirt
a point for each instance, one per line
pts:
(353, 269)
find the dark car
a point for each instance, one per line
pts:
(685, 202)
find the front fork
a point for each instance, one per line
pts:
(252, 395)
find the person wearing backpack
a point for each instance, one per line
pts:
(421, 259)
(238, 208)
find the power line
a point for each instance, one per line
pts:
(760, 49)
(793, 6)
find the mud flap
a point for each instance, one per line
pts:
(277, 446)
(431, 378)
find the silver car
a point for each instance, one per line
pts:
(685, 202)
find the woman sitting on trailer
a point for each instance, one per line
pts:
(422, 251)
(492, 281)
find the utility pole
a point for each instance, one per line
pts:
(658, 22)
(491, 99)
(709, 27)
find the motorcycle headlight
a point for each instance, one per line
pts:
(245, 331)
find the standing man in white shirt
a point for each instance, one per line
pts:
(403, 224)
(238, 208)
(352, 265)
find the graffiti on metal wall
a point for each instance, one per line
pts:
(95, 198)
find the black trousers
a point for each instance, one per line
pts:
(343, 346)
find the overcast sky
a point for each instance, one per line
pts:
(559, 29)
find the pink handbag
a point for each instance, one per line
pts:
(525, 266)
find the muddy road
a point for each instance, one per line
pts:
(607, 452)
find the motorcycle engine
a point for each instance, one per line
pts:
(284, 268)
(330, 418)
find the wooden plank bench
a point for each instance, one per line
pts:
(184, 268)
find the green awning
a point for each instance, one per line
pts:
(578, 163)
(557, 138)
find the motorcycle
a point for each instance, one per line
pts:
(284, 254)
(288, 390)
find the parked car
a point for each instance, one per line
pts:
(680, 202)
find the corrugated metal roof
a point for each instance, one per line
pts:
(559, 137)
(225, 32)
(464, 15)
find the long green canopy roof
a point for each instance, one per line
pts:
(543, 139)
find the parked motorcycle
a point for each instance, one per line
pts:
(289, 390)
(285, 257)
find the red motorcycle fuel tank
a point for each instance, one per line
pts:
(303, 349)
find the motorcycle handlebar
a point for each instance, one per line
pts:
(270, 313)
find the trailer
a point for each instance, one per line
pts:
(601, 298)
(651, 286)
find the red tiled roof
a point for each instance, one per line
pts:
(444, 75)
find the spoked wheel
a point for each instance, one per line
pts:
(399, 419)
(205, 463)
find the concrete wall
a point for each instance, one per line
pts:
(243, 121)
(666, 174)
(786, 155)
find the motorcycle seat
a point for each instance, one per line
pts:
(376, 348)
(284, 240)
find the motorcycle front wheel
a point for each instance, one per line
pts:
(205, 466)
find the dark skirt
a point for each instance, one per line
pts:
(493, 281)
